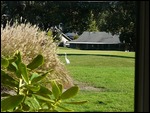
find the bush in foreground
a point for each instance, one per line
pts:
(30, 41)
(29, 94)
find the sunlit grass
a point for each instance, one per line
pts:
(104, 102)
(62, 50)
(111, 71)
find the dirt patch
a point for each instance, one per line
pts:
(85, 86)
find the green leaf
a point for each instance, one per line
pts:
(60, 88)
(43, 98)
(66, 109)
(81, 102)
(11, 102)
(4, 62)
(70, 92)
(38, 78)
(8, 80)
(18, 55)
(12, 67)
(25, 107)
(33, 88)
(44, 91)
(23, 69)
(55, 89)
(36, 62)
(32, 103)
(34, 75)
(13, 59)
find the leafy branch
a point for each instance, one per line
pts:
(30, 94)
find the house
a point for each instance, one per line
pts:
(64, 39)
(71, 35)
(60, 36)
(97, 41)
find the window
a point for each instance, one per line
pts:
(142, 59)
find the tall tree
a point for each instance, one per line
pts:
(92, 25)
(120, 18)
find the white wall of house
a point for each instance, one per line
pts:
(64, 40)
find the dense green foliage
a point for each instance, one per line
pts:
(114, 16)
(28, 92)
(120, 18)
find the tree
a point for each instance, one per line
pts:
(117, 17)
(120, 18)
(92, 26)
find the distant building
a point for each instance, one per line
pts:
(60, 36)
(71, 35)
(64, 40)
(97, 41)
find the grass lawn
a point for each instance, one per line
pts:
(105, 79)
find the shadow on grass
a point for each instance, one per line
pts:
(98, 55)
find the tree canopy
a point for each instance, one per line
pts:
(117, 17)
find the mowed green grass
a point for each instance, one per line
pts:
(110, 71)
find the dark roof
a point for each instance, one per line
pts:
(70, 35)
(97, 38)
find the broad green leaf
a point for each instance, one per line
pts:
(38, 78)
(4, 62)
(18, 55)
(11, 102)
(34, 75)
(12, 67)
(70, 92)
(44, 91)
(60, 88)
(33, 88)
(44, 105)
(7, 80)
(55, 89)
(13, 59)
(23, 69)
(17, 63)
(32, 103)
(81, 102)
(36, 62)
(43, 98)
(18, 73)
